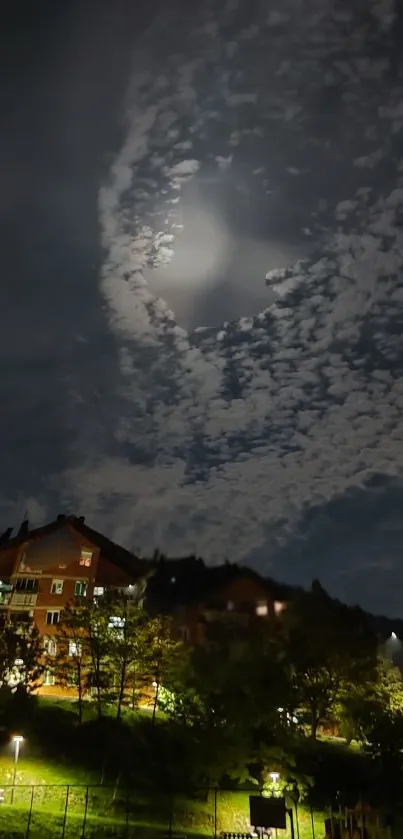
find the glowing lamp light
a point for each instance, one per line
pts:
(393, 636)
(275, 777)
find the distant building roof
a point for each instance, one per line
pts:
(188, 580)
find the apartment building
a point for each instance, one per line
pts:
(42, 570)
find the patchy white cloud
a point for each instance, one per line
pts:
(228, 435)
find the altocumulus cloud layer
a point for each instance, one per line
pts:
(243, 441)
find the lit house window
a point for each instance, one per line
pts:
(50, 646)
(116, 622)
(56, 587)
(86, 557)
(48, 678)
(80, 588)
(52, 617)
(261, 609)
(74, 648)
(278, 607)
(98, 591)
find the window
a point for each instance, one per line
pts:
(50, 646)
(261, 609)
(52, 617)
(28, 584)
(74, 648)
(48, 678)
(80, 588)
(278, 607)
(98, 591)
(116, 622)
(86, 557)
(56, 587)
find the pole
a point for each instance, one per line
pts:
(296, 818)
(85, 813)
(30, 811)
(313, 824)
(171, 807)
(16, 756)
(127, 812)
(215, 813)
(65, 811)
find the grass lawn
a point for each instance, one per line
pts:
(102, 813)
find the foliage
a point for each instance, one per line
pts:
(21, 668)
(229, 711)
(329, 649)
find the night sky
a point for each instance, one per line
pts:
(158, 160)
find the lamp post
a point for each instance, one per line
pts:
(17, 740)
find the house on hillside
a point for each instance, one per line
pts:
(42, 570)
(206, 602)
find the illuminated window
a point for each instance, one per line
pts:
(80, 588)
(230, 606)
(261, 609)
(50, 646)
(74, 648)
(86, 557)
(98, 591)
(56, 587)
(278, 607)
(48, 678)
(52, 617)
(116, 622)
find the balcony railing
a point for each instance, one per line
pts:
(21, 599)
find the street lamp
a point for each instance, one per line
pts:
(17, 740)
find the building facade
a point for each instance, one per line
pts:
(42, 570)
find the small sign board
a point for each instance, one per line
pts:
(267, 812)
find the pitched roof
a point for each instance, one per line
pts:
(115, 554)
(127, 561)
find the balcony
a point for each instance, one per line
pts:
(23, 600)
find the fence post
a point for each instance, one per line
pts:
(171, 807)
(127, 812)
(85, 813)
(215, 812)
(65, 810)
(30, 811)
(312, 823)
